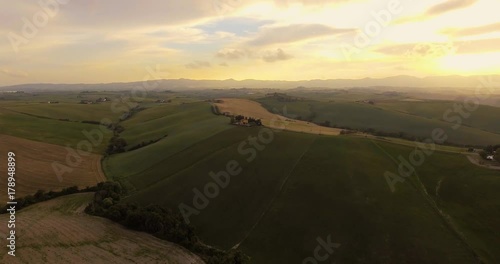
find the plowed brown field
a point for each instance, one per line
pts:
(34, 169)
(58, 231)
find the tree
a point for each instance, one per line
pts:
(489, 149)
(108, 202)
(114, 213)
(325, 124)
(40, 195)
(154, 223)
(116, 145)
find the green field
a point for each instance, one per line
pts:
(320, 186)
(418, 121)
(484, 117)
(48, 130)
(30, 116)
(71, 111)
(301, 187)
(184, 125)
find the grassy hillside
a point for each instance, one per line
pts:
(71, 111)
(301, 187)
(386, 118)
(470, 196)
(184, 125)
(58, 231)
(485, 117)
(47, 130)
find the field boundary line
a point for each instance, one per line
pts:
(444, 217)
(99, 171)
(407, 143)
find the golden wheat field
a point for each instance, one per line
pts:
(253, 109)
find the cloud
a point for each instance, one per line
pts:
(479, 46)
(231, 54)
(224, 7)
(278, 55)
(285, 3)
(440, 49)
(448, 6)
(445, 7)
(234, 25)
(473, 30)
(11, 73)
(294, 33)
(432, 50)
(124, 14)
(420, 50)
(401, 68)
(198, 65)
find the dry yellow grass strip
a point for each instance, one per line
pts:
(254, 109)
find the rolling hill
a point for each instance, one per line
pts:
(414, 119)
(277, 195)
(297, 188)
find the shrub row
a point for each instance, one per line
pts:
(158, 221)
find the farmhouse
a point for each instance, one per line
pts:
(240, 120)
(100, 100)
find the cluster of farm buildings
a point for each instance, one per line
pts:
(99, 100)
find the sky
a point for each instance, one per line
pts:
(92, 41)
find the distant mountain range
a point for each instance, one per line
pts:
(188, 84)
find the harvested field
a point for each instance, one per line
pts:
(34, 169)
(58, 231)
(254, 109)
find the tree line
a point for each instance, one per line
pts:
(491, 150)
(158, 221)
(42, 196)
